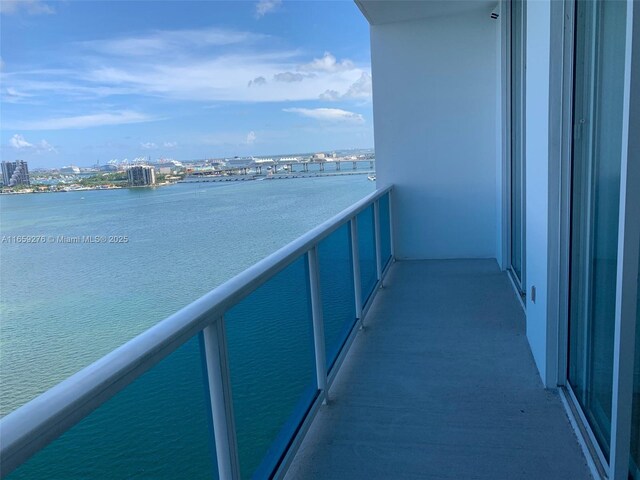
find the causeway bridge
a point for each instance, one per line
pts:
(287, 166)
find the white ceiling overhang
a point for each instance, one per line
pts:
(379, 12)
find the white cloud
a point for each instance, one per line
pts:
(86, 121)
(44, 146)
(265, 6)
(328, 63)
(361, 88)
(251, 138)
(14, 93)
(197, 79)
(192, 76)
(170, 144)
(31, 7)
(45, 85)
(18, 142)
(11, 95)
(330, 95)
(149, 145)
(288, 77)
(327, 114)
(166, 42)
(257, 81)
(206, 65)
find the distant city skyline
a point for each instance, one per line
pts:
(88, 82)
(149, 159)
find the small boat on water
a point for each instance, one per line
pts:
(372, 177)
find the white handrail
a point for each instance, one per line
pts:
(31, 427)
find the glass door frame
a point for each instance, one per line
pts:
(628, 247)
(519, 281)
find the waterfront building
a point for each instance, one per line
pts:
(506, 233)
(15, 173)
(141, 175)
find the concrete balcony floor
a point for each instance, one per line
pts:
(441, 384)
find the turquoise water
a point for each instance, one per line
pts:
(156, 428)
(65, 305)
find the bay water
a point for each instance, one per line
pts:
(64, 305)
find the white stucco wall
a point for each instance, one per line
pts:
(435, 105)
(537, 177)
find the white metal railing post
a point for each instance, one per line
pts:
(376, 229)
(318, 322)
(355, 255)
(217, 361)
(392, 242)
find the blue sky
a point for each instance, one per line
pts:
(88, 81)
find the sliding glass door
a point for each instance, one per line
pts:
(635, 417)
(517, 225)
(595, 195)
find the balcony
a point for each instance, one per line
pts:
(438, 380)
(441, 384)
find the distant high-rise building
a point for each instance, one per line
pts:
(15, 173)
(141, 175)
(7, 170)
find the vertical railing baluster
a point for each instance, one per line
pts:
(392, 242)
(355, 255)
(376, 229)
(318, 322)
(217, 361)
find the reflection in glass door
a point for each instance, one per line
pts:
(518, 45)
(635, 417)
(595, 177)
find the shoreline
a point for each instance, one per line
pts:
(204, 179)
(85, 189)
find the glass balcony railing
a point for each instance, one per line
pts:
(226, 387)
(138, 432)
(336, 278)
(273, 378)
(367, 251)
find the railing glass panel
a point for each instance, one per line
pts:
(337, 292)
(157, 427)
(385, 229)
(272, 365)
(367, 251)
